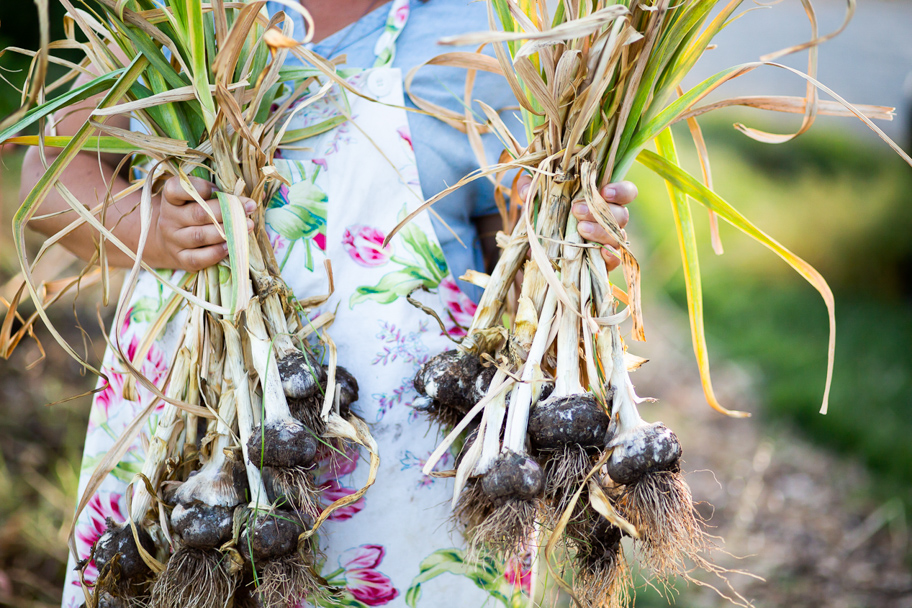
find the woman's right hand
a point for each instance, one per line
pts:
(186, 234)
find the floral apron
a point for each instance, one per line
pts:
(395, 546)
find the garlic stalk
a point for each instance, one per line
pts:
(525, 328)
(638, 447)
(567, 380)
(118, 542)
(236, 375)
(203, 516)
(521, 401)
(163, 440)
(570, 415)
(283, 441)
(300, 376)
(495, 294)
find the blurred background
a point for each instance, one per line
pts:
(815, 507)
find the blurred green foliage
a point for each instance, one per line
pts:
(19, 28)
(842, 203)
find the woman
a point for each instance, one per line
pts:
(391, 547)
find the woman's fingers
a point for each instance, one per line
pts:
(522, 186)
(611, 260)
(175, 194)
(192, 260)
(187, 211)
(617, 195)
(192, 237)
(621, 193)
(191, 231)
(591, 231)
(194, 214)
(584, 214)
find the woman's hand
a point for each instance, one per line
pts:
(182, 236)
(617, 196)
(185, 232)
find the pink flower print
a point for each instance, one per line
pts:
(321, 162)
(336, 462)
(401, 16)
(519, 574)
(406, 136)
(362, 580)
(107, 399)
(331, 467)
(319, 240)
(93, 524)
(330, 492)
(460, 308)
(154, 369)
(365, 245)
(127, 319)
(279, 243)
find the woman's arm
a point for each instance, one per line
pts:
(182, 235)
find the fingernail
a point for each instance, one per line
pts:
(580, 209)
(225, 247)
(585, 228)
(250, 207)
(610, 193)
(249, 225)
(524, 191)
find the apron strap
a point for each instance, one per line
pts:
(385, 49)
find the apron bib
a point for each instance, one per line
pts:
(349, 186)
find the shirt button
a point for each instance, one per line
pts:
(380, 83)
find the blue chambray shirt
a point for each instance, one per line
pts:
(443, 153)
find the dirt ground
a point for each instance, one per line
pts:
(799, 517)
(40, 453)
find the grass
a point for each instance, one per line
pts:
(19, 28)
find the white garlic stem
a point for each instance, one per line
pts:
(267, 368)
(272, 312)
(236, 375)
(492, 300)
(494, 413)
(567, 376)
(623, 407)
(208, 484)
(164, 437)
(521, 402)
(586, 302)
(605, 305)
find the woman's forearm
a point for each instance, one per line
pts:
(88, 178)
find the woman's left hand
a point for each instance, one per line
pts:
(618, 196)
